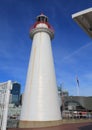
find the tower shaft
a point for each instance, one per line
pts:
(41, 101)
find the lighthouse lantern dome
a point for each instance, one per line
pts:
(42, 18)
(42, 25)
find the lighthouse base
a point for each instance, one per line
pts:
(38, 124)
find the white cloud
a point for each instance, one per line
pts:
(78, 51)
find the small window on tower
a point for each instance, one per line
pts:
(38, 19)
(42, 19)
(46, 20)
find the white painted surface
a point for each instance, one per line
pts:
(42, 25)
(41, 95)
(84, 20)
(8, 86)
(82, 12)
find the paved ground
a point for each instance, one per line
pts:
(77, 126)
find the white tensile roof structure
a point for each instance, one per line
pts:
(84, 20)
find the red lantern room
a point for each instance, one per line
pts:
(42, 19)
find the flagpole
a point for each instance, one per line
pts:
(78, 85)
(78, 91)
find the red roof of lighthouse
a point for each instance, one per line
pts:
(42, 19)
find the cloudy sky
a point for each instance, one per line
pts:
(72, 47)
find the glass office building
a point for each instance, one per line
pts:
(15, 93)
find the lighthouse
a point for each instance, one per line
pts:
(40, 101)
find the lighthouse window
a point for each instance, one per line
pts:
(42, 19)
(38, 19)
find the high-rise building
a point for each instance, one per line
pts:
(15, 93)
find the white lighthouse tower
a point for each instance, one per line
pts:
(41, 103)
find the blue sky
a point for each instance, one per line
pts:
(72, 47)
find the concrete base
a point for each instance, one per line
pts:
(71, 126)
(38, 124)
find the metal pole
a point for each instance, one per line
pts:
(78, 93)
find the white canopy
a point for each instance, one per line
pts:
(84, 19)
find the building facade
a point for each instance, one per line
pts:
(78, 103)
(15, 93)
(77, 107)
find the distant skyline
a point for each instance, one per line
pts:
(71, 46)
